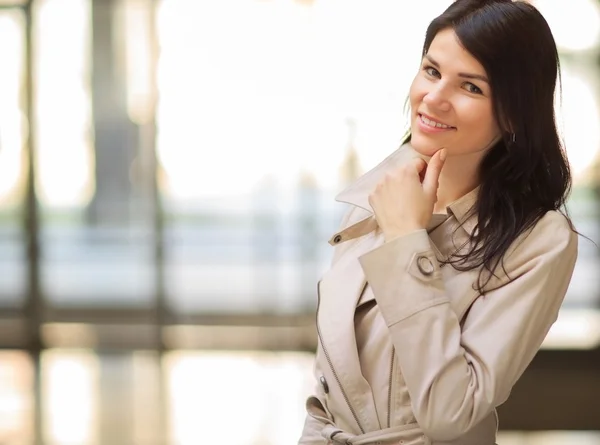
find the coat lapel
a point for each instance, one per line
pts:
(339, 291)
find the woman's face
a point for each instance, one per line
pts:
(451, 101)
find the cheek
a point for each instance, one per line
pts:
(478, 126)
(478, 117)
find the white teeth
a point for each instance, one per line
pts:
(433, 123)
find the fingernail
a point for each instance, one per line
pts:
(443, 155)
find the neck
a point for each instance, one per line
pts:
(459, 176)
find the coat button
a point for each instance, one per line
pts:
(324, 384)
(337, 238)
(425, 265)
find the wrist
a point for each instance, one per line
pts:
(398, 232)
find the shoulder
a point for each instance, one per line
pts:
(552, 231)
(554, 220)
(549, 246)
(551, 239)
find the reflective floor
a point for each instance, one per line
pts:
(183, 398)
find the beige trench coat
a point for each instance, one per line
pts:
(455, 355)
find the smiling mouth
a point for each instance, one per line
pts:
(434, 124)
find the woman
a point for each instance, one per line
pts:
(455, 256)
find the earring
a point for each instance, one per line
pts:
(513, 138)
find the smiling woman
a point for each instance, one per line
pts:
(456, 253)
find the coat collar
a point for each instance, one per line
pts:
(357, 193)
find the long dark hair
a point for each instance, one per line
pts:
(526, 174)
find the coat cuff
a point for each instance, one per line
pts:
(405, 276)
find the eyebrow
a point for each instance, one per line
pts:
(464, 75)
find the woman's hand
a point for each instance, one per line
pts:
(403, 201)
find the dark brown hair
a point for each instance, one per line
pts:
(526, 174)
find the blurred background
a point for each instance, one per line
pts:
(167, 174)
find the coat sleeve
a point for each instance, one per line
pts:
(456, 377)
(311, 432)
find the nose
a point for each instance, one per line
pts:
(438, 97)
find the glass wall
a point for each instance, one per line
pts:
(13, 159)
(95, 205)
(188, 155)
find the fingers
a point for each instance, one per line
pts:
(432, 174)
(420, 167)
(419, 164)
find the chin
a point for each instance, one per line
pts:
(424, 146)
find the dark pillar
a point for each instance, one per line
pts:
(116, 137)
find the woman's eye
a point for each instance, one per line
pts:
(473, 88)
(432, 71)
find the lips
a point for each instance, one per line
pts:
(433, 123)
